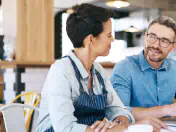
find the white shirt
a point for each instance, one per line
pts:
(61, 88)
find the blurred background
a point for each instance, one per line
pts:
(131, 18)
(129, 24)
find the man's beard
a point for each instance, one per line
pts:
(151, 58)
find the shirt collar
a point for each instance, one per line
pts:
(143, 62)
(164, 65)
(80, 66)
(145, 65)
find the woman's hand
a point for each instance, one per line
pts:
(102, 126)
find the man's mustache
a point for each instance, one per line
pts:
(157, 49)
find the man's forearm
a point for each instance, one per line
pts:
(158, 112)
(118, 128)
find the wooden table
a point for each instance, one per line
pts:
(2, 127)
(169, 118)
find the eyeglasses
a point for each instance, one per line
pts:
(152, 38)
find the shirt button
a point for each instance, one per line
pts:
(158, 88)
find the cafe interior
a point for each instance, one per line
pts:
(33, 35)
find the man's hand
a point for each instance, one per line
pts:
(156, 123)
(170, 110)
(121, 120)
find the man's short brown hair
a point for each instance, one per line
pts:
(166, 21)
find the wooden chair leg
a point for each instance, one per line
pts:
(2, 126)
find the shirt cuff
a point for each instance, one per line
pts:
(129, 108)
(124, 113)
(131, 119)
(79, 128)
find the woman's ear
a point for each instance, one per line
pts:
(92, 39)
(88, 40)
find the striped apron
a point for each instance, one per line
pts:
(88, 107)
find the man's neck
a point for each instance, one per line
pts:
(155, 65)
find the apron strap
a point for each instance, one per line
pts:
(101, 80)
(78, 76)
(77, 73)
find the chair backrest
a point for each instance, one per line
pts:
(13, 115)
(31, 98)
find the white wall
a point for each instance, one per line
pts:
(9, 17)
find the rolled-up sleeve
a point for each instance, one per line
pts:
(121, 82)
(115, 107)
(60, 104)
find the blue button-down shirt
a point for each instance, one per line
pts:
(140, 85)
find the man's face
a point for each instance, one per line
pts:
(158, 50)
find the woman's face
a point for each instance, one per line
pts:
(102, 43)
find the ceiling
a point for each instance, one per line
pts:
(164, 4)
(135, 4)
(125, 9)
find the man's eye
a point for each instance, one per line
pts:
(165, 41)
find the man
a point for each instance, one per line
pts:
(146, 83)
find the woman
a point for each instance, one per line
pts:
(77, 94)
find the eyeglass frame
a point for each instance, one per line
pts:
(157, 38)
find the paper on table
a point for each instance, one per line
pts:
(163, 130)
(171, 128)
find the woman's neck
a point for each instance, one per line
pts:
(85, 57)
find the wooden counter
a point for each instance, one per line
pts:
(17, 64)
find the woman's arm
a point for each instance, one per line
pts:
(60, 104)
